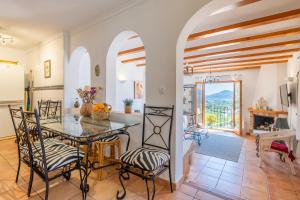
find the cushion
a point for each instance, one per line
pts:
(145, 158)
(109, 138)
(58, 155)
(37, 145)
(279, 147)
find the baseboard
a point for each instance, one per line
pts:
(7, 137)
(166, 183)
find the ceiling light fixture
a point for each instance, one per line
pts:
(6, 39)
(211, 78)
(188, 70)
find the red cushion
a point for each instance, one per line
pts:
(279, 147)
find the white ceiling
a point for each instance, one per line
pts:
(32, 21)
(251, 11)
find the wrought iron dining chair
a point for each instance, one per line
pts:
(21, 139)
(46, 155)
(54, 110)
(43, 108)
(154, 156)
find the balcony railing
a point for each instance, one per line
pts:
(219, 117)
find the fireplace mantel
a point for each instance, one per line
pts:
(274, 113)
(267, 113)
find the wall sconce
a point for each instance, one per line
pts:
(122, 79)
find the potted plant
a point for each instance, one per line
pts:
(87, 95)
(127, 105)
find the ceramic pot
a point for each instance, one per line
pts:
(86, 109)
(128, 109)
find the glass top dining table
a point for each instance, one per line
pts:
(86, 128)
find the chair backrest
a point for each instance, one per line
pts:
(16, 117)
(43, 106)
(157, 127)
(32, 128)
(54, 110)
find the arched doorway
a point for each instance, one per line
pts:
(125, 71)
(78, 75)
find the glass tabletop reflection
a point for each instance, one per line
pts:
(85, 127)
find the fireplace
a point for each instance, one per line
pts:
(262, 122)
(263, 116)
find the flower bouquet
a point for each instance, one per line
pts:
(101, 111)
(88, 95)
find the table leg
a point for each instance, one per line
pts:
(86, 169)
(257, 145)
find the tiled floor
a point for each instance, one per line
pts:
(245, 179)
(63, 190)
(208, 176)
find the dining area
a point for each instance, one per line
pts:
(86, 151)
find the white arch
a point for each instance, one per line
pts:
(111, 66)
(78, 75)
(181, 42)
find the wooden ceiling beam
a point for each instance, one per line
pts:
(234, 6)
(130, 51)
(141, 65)
(278, 44)
(287, 32)
(248, 24)
(241, 65)
(242, 61)
(249, 55)
(226, 69)
(133, 60)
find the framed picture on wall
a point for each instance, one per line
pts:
(47, 69)
(138, 90)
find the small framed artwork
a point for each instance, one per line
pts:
(47, 69)
(138, 90)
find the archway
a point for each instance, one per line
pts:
(205, 11)
(125, 71)
(78, 75)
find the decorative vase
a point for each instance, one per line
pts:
(86, 109)
(128, 109)
(76, 104)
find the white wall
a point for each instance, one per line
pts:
(269, 79)
(125, 89)
(52, 49)
(249, 81)
(77, 75)
(293, 67)
(12, 76)
(159, 25)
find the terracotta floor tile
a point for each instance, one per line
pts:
(217, 160)
(231, 178)
(280, 194)
(206, 196)
(249, 194)
(172, 196)
(213, 165)
(229, 188)
(191, 191)
(206, 181)
(211, 172)
(233, 170)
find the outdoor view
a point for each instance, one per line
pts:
(219, 105)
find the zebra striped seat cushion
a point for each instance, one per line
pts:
(145, 158)
(110, 138)
(37, 145)
(58, 155)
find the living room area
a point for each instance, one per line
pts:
(150, 99)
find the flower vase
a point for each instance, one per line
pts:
(86, 109)
(128, 109)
